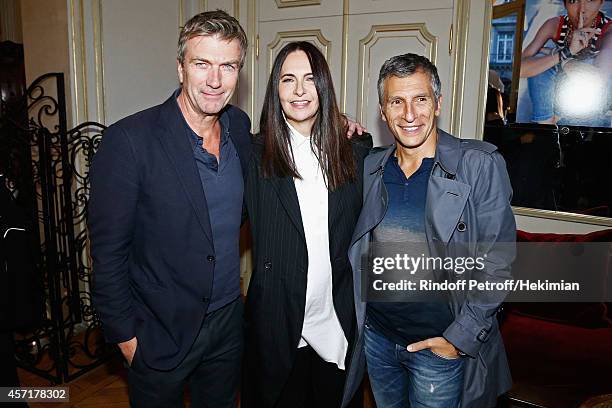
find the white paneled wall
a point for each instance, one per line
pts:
(324, 32)
(139, 42)
(123, 55)
(373, 38)
(358, 36)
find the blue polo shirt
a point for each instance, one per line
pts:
(223, 185)
(406, 322)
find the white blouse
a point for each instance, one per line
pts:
(321, 330)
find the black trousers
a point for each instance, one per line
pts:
(211, 368)
(312, 383)
(8, 367)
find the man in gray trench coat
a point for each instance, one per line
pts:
(454, 195)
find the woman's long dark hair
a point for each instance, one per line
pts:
(328, 137)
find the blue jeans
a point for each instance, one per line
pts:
(402, 379)
(542, 91)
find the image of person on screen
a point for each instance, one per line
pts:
(576, 68)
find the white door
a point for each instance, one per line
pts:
(324, 32)
(372, 31)
(375, 37)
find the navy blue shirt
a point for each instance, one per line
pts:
(223, 185)
(406, 322)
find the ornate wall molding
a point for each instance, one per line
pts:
(181, 15)
(252, 35)
(297, 3)
(459, 45)
(98, 49)
(562, 216)
(413, 30)
(78, 63)
(315, 36)
(484, 70)
(345, 43)
(87, 61)
(10, 21)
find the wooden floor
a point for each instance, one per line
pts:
(105, 386)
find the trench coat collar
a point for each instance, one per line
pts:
(446, 197)
(448, 152)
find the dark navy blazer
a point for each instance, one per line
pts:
(151, 240)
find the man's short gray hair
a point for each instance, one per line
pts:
(216, 22)
(404, 65)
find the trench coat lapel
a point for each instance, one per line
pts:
(446, 200)
(446, 196)
(375, 199)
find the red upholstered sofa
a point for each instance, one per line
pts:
(560, 354)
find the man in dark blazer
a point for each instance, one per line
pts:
(165, 212)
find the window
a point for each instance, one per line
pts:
(505, 47)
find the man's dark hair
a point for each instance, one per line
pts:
(328, 139)
(405, 65)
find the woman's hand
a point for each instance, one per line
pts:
(581, 37)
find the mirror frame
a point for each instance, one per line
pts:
(503, 10)
(492, 12)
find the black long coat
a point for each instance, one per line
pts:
(277, 292)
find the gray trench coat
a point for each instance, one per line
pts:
(468, 203)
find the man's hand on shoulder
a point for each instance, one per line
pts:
(353, 127)
(128, 349)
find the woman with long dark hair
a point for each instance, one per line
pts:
(304, 196)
